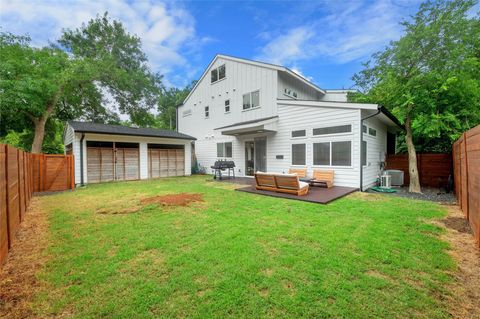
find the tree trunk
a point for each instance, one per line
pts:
(412, 159)
(40, 122)
(39, 134)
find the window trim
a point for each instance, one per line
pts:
(291, 154)
(290, 95)
(366, 154)
(252, 107)
(372, 129)
(351, 166)
(217, 69)
(205, 111)
(298, 137)
(333, 134)
(225, 106)
(224, 150)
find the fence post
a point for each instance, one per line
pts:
(466, 175)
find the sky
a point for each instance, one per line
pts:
(325, 41)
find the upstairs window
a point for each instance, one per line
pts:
(218, 73)
(332, 130)
(207, 112)
(372, 131)
(227, 106)
(224, 149)
(251, 100)
(290, 93)
(299, 133)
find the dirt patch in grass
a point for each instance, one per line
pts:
(118, 211)
(18, 280)
(464, 301)
(182, 199)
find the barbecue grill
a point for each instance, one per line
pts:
(222, 166)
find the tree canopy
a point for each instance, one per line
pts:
(430, 77)
(74, 78)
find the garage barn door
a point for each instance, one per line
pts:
(166, 160)
(107, 161)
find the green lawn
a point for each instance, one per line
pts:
(240, 255)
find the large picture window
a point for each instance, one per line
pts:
(298, 154)
(224, 149)
(321, 153)
(251, 100)
(332, 153)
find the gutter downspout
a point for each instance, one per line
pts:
(361, 144)
(81, 160)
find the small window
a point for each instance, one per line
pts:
(298, 154)
(299, 133)
(333, 130)
(224, 149)
(218, 73)
(207, 112)
(342, 153)
(228, 149)
(364, 153)
(321, 153)
(364, 128)
(290, 92)
(219, 149)
(214, 75)
(227, 106)
(221, 72)
(255, 98)
(372, 131)
(251, 100)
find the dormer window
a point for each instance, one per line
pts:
(218, 73)
(289, 92)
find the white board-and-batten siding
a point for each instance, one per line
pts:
(143, 150)
(241, 78)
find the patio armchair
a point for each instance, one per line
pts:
(323, 177)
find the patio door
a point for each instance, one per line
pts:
(260, 154)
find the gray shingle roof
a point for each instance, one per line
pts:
(89, 127)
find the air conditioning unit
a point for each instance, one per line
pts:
(397, 176)
(386, 181)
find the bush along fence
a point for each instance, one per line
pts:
(22, 174)
(466, 158)
(433, 169)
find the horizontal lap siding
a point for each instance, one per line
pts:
(303, 117)
(376, 150)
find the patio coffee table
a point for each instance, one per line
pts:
(313, 182)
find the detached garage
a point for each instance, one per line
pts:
(105, 153)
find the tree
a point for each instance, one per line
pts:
(167, 106)
(73, 79)
(429, 78)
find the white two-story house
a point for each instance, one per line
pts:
(266, 117)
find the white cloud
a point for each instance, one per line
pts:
(350, 31)
(167, 30)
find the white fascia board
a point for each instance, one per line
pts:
(344, 105)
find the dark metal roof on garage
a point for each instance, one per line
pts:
(100, 128)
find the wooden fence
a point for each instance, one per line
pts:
(466, 158)
(22, 174)
(433, 169)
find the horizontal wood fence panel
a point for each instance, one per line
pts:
(433, 169)
(466, 155)
(22, 174)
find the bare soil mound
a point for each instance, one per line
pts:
(182, 199)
